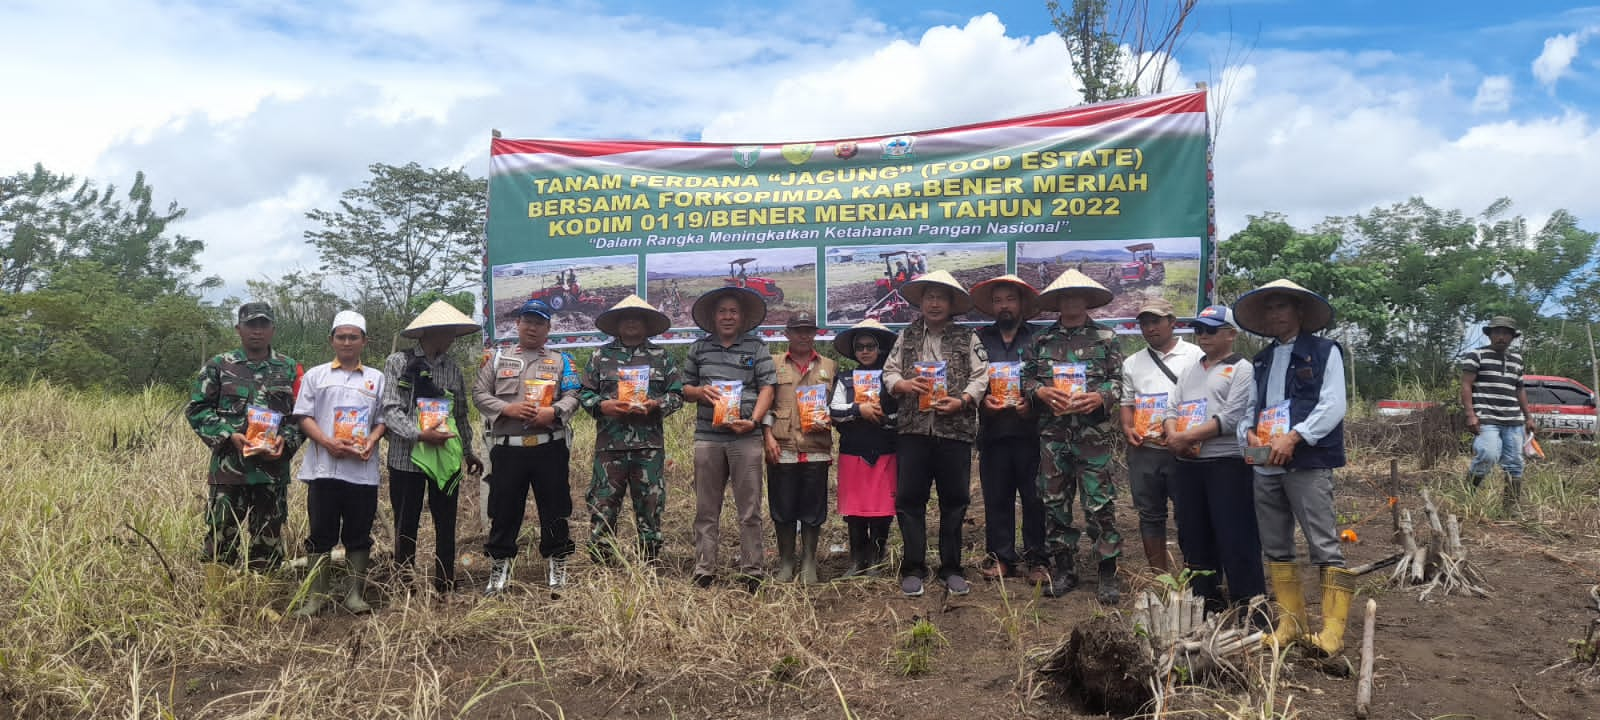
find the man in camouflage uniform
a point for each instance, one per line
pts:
(245, 491)
(1077, 431)
(630, 443)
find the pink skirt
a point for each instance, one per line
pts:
(867, 490)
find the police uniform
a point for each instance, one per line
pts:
(522, 455)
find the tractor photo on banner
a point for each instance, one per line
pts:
(1119, 191)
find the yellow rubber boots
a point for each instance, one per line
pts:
(1285, 577)
(1338, 585)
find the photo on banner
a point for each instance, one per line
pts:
(786, 278)
(864, 280)
(577, 289)
(1135, 271)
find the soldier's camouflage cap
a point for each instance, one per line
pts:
(255, 311)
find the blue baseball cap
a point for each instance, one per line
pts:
(1216, 316)
(536, 307)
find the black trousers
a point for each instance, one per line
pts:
(926, 463)
(1007, 468)
(406, 492)
(340, 512)
(1217, 526)
(798, 492)
(543, 468)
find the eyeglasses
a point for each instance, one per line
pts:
(863, 347)
(1200, 329)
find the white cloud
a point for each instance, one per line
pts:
(1494, 94)
(1555, 61)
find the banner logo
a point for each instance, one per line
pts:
(746, 155)
(798, 153)
(899, 148)
(845, 150)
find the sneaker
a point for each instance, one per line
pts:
(558, 573)
(752, 583)
(499, 577)
(911, 586)
(957, 585)
(703, 581)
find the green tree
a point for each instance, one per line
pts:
(1098, 32)
(406, 231)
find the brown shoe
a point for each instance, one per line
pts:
(1038, 575)
(996, 569)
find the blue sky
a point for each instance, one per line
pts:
(251, 114)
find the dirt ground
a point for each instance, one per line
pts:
(1448, 657)
(580, 319)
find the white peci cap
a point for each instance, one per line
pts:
(351, 318)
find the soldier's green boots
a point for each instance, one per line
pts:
(808, 554)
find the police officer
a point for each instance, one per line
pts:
(528, 393)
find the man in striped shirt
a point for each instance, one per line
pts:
(1497, 407)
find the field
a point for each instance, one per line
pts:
(799, 293)
(107, 615)
(850, 290)
(611, 282)
(1180, 287)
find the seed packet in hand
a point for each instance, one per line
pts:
(352, 425)
(261, 429)
(1531, 449)
(539, 393)
(433, 414)
(1271, 422)
(1005, 382)
(1149, 412)
(1070, 378)
(935, 372)
(1191, 413)
(727, 409)
(868, 386)
(811, 401)
(633, 385)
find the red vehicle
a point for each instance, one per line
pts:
(899, 266)
(1145, 266)
(739, 276)
(1562, 407)
(562, 292)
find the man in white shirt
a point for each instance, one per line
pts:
(1152, 374)
(338, 410)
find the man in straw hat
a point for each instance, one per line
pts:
(1008, 436)
(423, 372)
(1497, 407)
(1150, 376)
(528, 393)
(729, 454)
(630, 443)
(248, 488)
(935, 444)
(798, 458)
(1295, 451)
(339, 410)
(1073, 373)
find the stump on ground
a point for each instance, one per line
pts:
(1439, 563)
(1102, 668)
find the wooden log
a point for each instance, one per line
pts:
(1197, 614)
(1364, 686)
(1453, 532)
(1175, 613)
(1394, 498)
(1432, 512)
(1141, 617)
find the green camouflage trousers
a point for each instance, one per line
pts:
(258, 509)
(621, 472)
(1068, 468)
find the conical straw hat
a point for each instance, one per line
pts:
(655, 321)
(845, 341)
(440, 315)
(1076, 282)
(983, 295)
(1250, 310)
(960, 302)
(752, 309)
